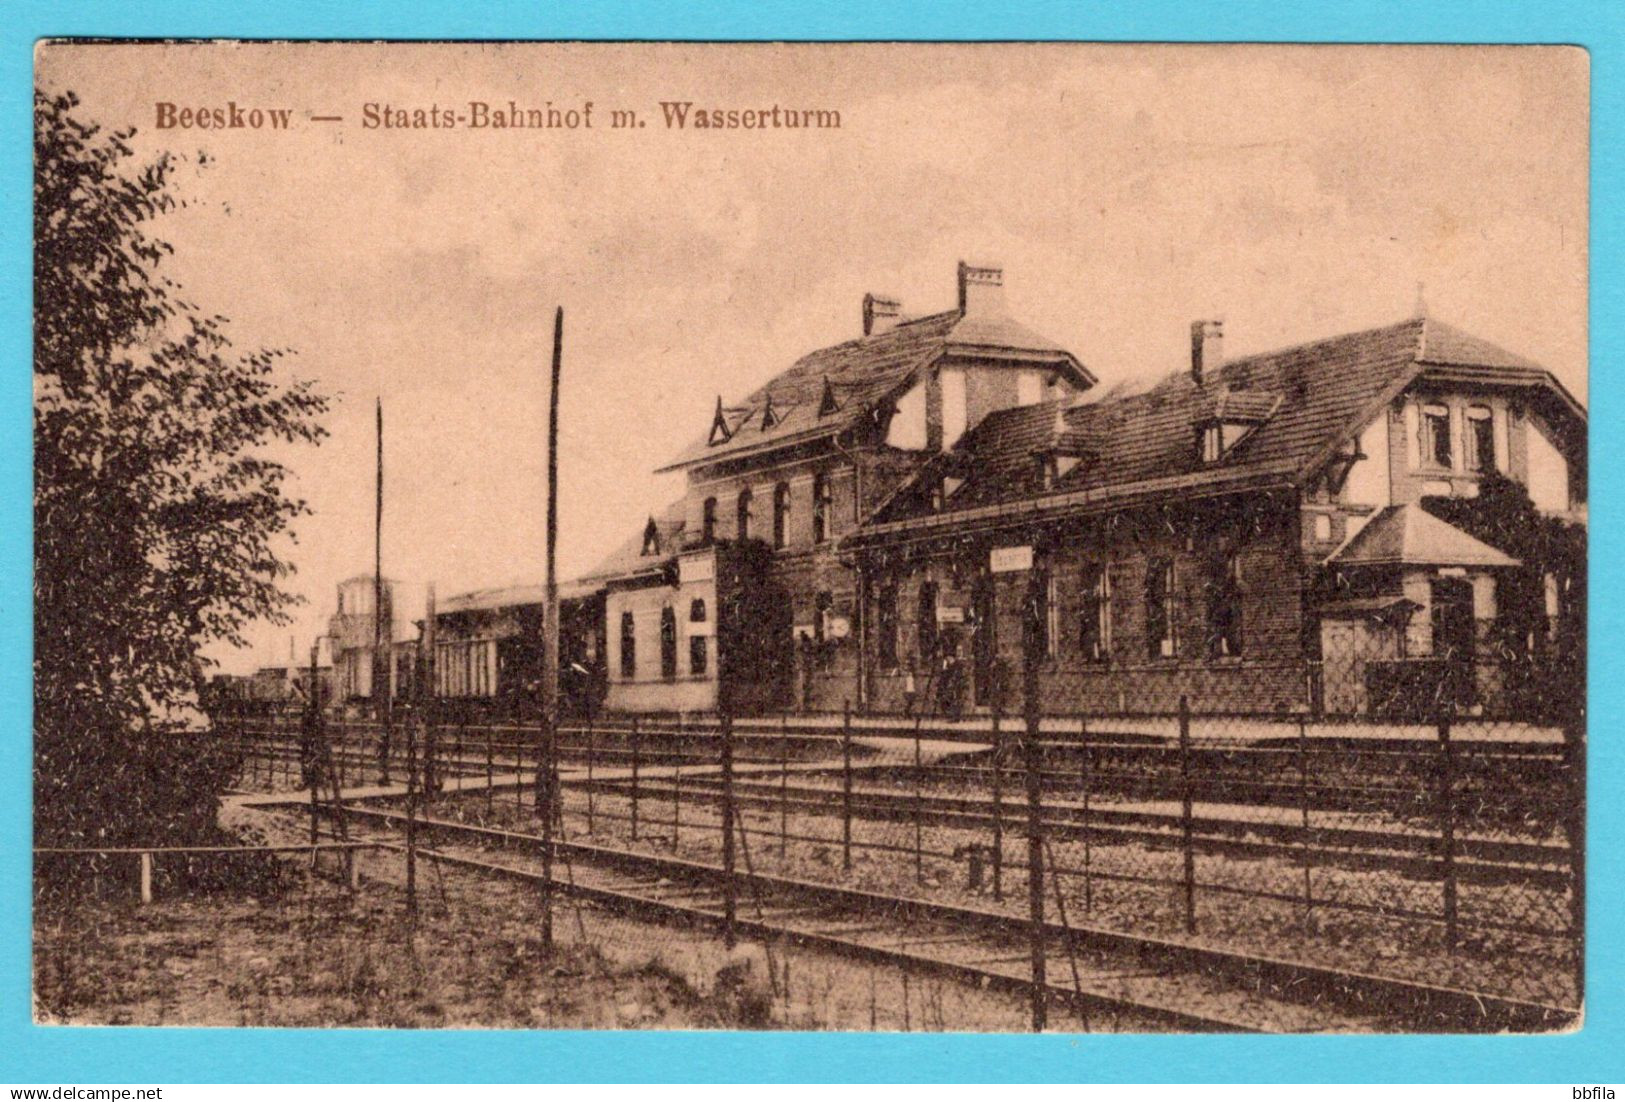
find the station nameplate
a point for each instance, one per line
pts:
(1003, 560)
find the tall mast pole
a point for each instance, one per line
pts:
(550, 635)
(380, 658)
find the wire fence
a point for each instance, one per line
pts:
(1447, 851)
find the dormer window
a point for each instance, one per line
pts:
(720, 432)
(1046, 470)
(651, 538)
(770, 416)
(1212, 442)
(827, 403)
(1216, 439)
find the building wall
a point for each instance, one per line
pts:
(1268, 675)
(648, 689)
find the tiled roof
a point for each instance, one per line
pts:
(862, 372)
(1409, 535)
(859, 371)
(1310, 399)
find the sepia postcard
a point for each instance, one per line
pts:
(903, 537)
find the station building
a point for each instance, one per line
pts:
(890, 521)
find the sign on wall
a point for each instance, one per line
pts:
(950, 614)
(700, 568)
(1004, 560)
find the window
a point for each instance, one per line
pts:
(696, 611)
(886, 626)
(1323, 527)
(781, 514)
(820, 507)
(1212, 438)
(1480, 439)
(708, 522)
(629, 647)
(743, 513)
(1041, 612)
(1046, 471)
(1095, 613)
(697, 655)
(1159, 609)
(668, 643)
(1223, 590)
(651, 538)
(925, 628)
(1436, 448)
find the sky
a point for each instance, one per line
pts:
(1294, 192)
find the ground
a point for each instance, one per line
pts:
(314, 955)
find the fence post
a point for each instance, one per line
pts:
(1088, 781)
(729, 888)
(1185, 812)
(411, 820)
(1447, 825)
(1575, 737)
(846, 786)
(1303, 799)
(637, 753)
(676, 804)
(146, 877)
(919, 811)
(592, 755)
(998, 804)
(1033, 753)
(784, 786)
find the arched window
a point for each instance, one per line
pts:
(781, 514)
(708, 521)
(629, 647)
(820, 507)
(668, 643)
(1480, 439)
(743, 513)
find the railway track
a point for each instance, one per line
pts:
(1411, 853)
(1147, 982)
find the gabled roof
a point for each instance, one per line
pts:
(859, 374)
(1409, 535)
(1308, 402)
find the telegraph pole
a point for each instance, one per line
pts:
(380, 657)
(547, 780)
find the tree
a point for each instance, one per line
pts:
(1503, 516)
(156, 509)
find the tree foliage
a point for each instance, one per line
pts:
(156, 510)
(1503, 516)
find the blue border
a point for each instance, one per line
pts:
(47, 1056)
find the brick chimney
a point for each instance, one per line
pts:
(981, 290)
(880, 314)
(1207, 348)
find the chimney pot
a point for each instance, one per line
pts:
(880, 314)
(1207, 348)
(981, 289)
